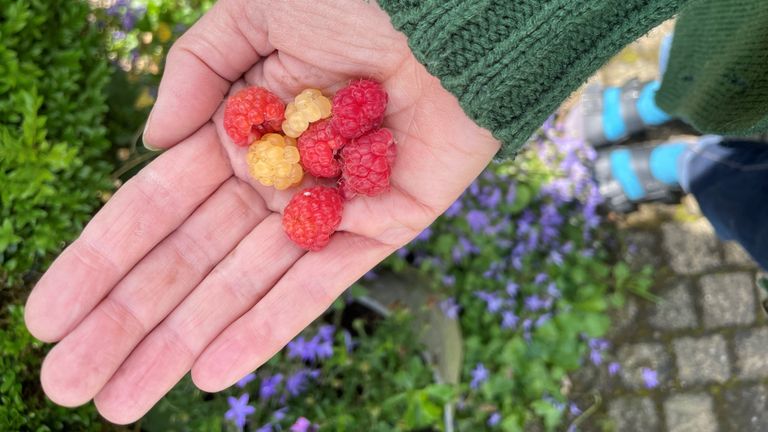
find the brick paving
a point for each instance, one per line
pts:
(707, 339)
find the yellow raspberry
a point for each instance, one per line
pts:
(309, 106)
(274, 161)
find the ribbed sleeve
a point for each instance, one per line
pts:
(512, 62)
(717, 78)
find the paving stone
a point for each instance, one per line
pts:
(728, 299)
(634, 358)
(690, 413)
(642, 249)
(736, 255)
(675, 311)
(691, 247)
(752, 353)
(746, 409)
(634, 414)
(625, 317)
(702, 360)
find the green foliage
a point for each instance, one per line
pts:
(53, 165)
(382, 385)
(22, 404)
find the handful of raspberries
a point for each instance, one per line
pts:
(340, 139)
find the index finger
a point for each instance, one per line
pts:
(143, 212)
(201, 66)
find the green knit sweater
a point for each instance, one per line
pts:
(512, 62)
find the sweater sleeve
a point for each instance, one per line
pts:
(512, 62)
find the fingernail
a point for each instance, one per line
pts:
(147, 145)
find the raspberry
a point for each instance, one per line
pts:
(274, 161)
(367, 163)
(309, 106)
(251, 113)
(312, 216)
(359, 108)
(318, 146)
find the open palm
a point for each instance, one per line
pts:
(187, 267)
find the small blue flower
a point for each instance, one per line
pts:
(349, 343)
(245, 380)
(303, 425)
(574, 409)
(424, 235)
(449, 280)
(479, 375)
(477, 220)
(296, 383)
(534, 303)
(493, 302)
(512, 289)
(613, 368)
(450, 308)
(268, 387)
(494, 419)
(509, 319)
(238, 410)
(650, 378)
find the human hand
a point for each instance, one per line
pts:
(187, 267)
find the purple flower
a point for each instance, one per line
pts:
(650, 378)
(493, 302)
(534, 303)
(598, 344)
(296, 383)
(303, 425)
(238, 410)
(574, 409)
(371, 275)
(552, 290)
(349, 343)
(613, 368)
(492, 200)
(511, 194)
(512, 289)
(454, 209)
(509, 319)
(301, 349)
(268, 387)
(543, 319)
(477, 220)
(450, 308)
(556, 257)
(494, 419)
(245, 380)
(266, 428)
(424, 235)
(595, 357)
(402, 252)
(540, 278)
(279, 414)
(479, 375)
(449, 280)
(326, 331)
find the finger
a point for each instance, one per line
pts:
(201, 66)
(145, 210)
(164, 356)
(305, 292)
(79, 366)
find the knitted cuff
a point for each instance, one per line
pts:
(717, 78)
(512, 62)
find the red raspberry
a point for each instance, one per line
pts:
(367, 163)
(359, 108)
(251, 113)
(312, 216)
(318, 146)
